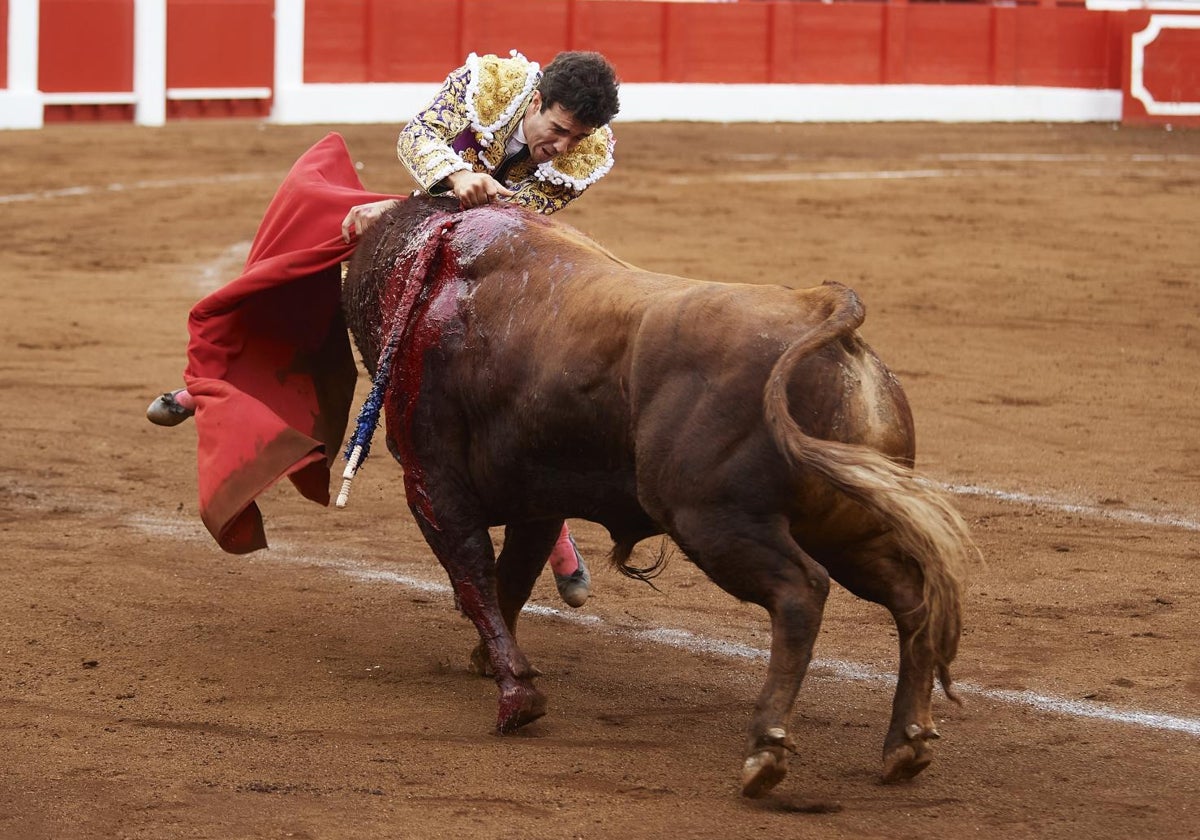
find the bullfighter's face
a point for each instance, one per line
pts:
(551, 132)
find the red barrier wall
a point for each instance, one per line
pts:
(1171, 68)
(4, 44)
(632, 40)
(789, 42)
(220, 44)
(711, 43)
(86, 45)
(851, 53)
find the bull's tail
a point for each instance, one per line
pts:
(925, 525)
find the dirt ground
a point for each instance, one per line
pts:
(1035, 288)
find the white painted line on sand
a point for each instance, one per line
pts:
(781, 176)
(1099, 511)
(71, 192)
(1034, 157)
(835, 668)
(224, 268)
(989, 157)
(188, 530)
(777, 177)
(1084, 709)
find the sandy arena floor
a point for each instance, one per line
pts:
(1034, 287)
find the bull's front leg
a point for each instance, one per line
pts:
(527, 545)
(468, 557)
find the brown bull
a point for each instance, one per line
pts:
(535, 376)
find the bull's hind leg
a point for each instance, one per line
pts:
(468, 557)
(876, 574)
(526, 547)
(756, 560)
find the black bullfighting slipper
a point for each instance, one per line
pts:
(576, 587)
(166, 411)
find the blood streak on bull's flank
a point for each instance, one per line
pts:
(424, 298)
(419, 278)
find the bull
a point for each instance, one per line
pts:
(533, 376)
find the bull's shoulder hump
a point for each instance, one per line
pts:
(572, 237)
(729, 310)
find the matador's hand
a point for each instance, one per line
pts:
(362, 216)
(474, 189)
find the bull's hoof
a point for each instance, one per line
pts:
(518, 706)
(762, 771)
(766, 766)
(905, 761)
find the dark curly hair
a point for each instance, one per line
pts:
(583, 83)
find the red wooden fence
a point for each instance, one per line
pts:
(86, 48)
(220, 44)
(3, 45)
(782, 42)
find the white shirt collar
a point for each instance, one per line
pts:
(517, 140)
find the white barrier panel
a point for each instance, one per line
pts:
(21, 103)
(150, 62)
(395, 103)
(1137, 66)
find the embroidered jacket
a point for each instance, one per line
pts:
(471, 119)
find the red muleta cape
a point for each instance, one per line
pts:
(269, 360)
